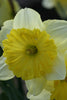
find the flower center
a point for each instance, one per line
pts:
(31, 50)
(30, 53)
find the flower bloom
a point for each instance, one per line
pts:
(33, 48)
(60, 5)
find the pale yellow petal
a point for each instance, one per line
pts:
(27, 18)
(58, 31)
(7, 26)
(35, 86)
(59, 69)
(5, 73)
(44, 95)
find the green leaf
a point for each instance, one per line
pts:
(3, 96)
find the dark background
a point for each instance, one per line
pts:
(37, 5)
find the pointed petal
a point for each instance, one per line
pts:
(27, 18)
(58, 31)
(7, 26)
(5, 73)
(59, 69)
(35, 86)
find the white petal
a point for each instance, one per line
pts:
(27, 18)
(58, 31)
(59, 69)
(44, 95)
(48, 3)
(5, 73)
(35, 86)
(7, 26)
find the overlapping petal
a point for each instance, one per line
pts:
(58, 31)
(44, 95)
(27, 18)
(5, 73)
(35, 86)
(7, 26)
(59, 69)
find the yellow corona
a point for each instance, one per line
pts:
(26, 50)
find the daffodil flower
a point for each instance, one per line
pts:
(6, 11)
(60, 5)
(33, 48)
